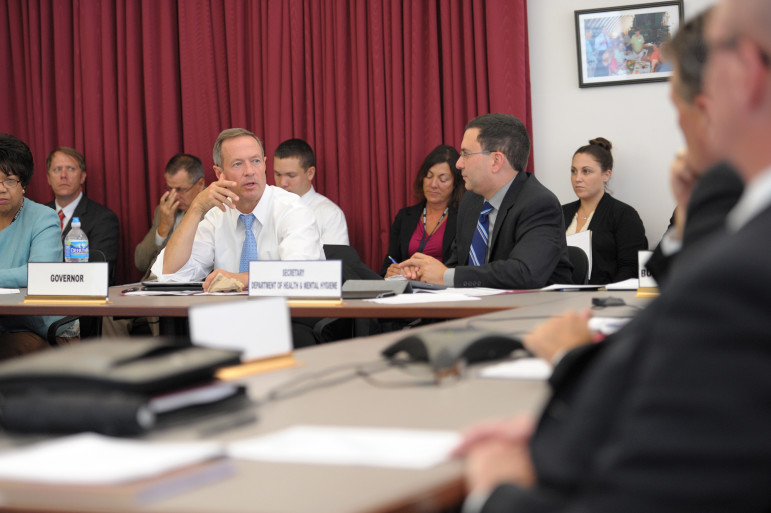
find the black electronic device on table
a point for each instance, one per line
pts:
(171, 285)
(444, 348)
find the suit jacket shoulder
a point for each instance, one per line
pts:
(101, 227)
(146, 251)
(618, 234)
(527, 246)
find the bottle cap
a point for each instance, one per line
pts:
(75, 219)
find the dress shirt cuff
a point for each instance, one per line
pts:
(158, 239)
(474, 502)
(669, 243)
(449, 277)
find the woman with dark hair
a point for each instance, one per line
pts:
(429, 226)
(617, 230)
(29, 232)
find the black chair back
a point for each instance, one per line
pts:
(580, 265)
(353, 267)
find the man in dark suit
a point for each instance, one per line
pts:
(669, 414)
(521, 219)
(66, 176)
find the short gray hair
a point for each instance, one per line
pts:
(231, 133)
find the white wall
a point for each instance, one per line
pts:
(637, 118)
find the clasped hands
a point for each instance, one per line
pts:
(420, 267)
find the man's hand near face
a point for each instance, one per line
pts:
(217, 194)
(168, 207)
(180, 245)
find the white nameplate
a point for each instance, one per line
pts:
(67, 279)
(261, 328)
(646, 279)
(299, 278)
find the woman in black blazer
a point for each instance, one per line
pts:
(429, 226)
(617, 231)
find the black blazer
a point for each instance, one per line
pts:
(527, 247)
(101, 227)
(714, 195)
(404, 225)
(617, 235)
(670, 414)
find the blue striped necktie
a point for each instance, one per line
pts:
(479, 242)
(249, 251)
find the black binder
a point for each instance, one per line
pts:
(103, 386)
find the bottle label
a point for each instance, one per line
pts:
(76, 251)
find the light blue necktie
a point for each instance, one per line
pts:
(479, 242)
(249, 251)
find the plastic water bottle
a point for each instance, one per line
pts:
(76, 243)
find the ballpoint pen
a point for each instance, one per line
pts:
(392, 259)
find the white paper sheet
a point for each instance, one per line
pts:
(565, 287)
(91, 459)
(523, 368)
(630, 284)
(423, 297)
(607, 325)
(329, 445)
(474, 291)
(9, 291)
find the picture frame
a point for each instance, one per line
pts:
(623, 45)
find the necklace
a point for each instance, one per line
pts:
(427, 235)
(583, 217)
(437, 223)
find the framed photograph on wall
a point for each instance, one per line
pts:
(626, 45)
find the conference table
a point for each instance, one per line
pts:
(413, 400)
(121, 305)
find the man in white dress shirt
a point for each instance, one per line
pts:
(211, 241)
(294, 166)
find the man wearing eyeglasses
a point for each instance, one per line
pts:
(510, 232)
(184, 180)
(67, 176)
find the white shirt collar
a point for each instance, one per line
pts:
(309, 195)
(69, 209)
(261, 211)
(756, 197)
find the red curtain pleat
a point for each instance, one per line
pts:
(373, 85)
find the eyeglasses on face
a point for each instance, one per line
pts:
(10, 183)
(466, 155)
(180, 190)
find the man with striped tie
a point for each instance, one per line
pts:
(510, 232)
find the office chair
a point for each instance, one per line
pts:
(580, 265)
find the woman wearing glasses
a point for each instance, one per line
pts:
(429, 226)
(29, 232)
(617, 231)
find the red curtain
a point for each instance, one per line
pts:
(373, 86)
